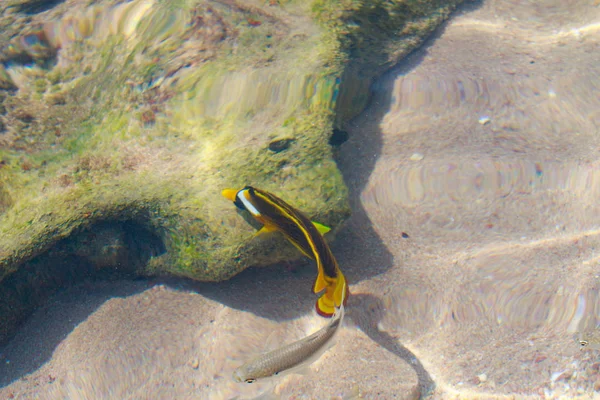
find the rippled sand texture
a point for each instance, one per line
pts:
(471, 251)
(489, 163)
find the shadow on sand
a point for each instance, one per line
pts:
(38, 338)
(366, 311)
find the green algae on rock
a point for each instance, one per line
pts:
(143, 111)
(373, 36)
(155, 108)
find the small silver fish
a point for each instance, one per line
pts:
(291, 356)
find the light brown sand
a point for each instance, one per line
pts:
(483, 148)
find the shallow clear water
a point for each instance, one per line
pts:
(471, 251)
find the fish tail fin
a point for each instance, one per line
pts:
(229, 194)
(334, 298)
(324, 307)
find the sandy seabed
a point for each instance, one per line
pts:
(471, 252)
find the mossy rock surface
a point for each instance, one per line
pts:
(141, 112)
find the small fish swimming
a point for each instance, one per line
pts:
(276, 215)
(293, 356)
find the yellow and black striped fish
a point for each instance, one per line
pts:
(276, 215)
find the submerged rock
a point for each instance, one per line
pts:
(141, 112)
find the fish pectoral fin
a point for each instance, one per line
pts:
(320, 283)
(265, 230)
(323, 229)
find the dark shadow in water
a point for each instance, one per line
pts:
(366, 311)
(37, 7)
(358, 242)
(356, 159)
(279, 292)
(54, 321)
(279, 296)
(469, 6)
(106, 251)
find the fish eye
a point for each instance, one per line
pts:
(250, 380)
(583, 343)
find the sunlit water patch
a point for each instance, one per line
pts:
(482, 101)
(547, 15)
(527, 286)
(482, 197)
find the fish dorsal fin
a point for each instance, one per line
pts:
(321, 228)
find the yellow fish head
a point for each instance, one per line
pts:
(229, 194)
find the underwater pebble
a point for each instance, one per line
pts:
(482, 377)
(484, 120)
(563, 375)
(417, 157)
(539, 358)
(280, 145)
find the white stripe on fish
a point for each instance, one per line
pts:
(249, 206)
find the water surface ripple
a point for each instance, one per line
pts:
(486, 192)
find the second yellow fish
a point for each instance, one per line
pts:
(276, 215)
